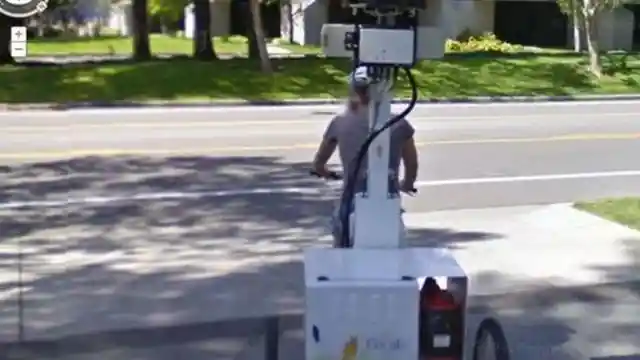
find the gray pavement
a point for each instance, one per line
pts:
(531, 153)
(522, 261)
(214, 206)
(274, 52)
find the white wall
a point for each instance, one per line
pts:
(615, 30)
(189, 22)
(119, 19)
(220, 19)
(455, 16)
(307, 17)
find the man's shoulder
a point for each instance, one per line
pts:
(344, 117)
(344, 114)
(401, 122)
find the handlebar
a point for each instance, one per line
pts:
(332, 175)
(411, 192)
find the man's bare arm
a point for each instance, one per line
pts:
(324, 153)
(410, 161)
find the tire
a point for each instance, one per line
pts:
(490, 331)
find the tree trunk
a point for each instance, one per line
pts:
(5, 40)
(577, 36)
(202, 43)
(141, 49)
(289, 21)
(252, 40)
(41, 23)
(256, 17)
(595, 63)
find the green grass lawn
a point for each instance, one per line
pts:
(624, 210)
(160, 44)
(301, 78)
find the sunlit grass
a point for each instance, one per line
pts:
(300, 78)
(623, 210)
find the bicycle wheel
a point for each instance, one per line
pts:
(490, 342)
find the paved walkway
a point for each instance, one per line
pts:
(277, 50)
(274, 51)
(86, 275)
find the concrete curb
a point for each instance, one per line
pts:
(305, 102)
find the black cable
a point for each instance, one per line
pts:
(346, 201)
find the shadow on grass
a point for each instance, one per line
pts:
(179, 79)
(241, 79)
(486, 77)
(621, 64)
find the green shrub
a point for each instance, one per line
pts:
(487, 42)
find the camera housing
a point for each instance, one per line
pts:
(400, 5)
(380, 46)
(389, 43)
(339, 41)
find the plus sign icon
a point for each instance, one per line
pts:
(19, 41)
(18, 33)
(22, 8)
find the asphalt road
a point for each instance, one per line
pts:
(228, 204)
(471, 155)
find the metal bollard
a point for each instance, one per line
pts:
(271, 343)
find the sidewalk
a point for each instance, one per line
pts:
(517, 259)
(555, 244)
(273, 50)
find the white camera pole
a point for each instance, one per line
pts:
(378, 220)
(378, 223)
(364, 302)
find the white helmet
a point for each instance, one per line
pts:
(359, 77)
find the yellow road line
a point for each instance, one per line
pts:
(57, 154)
(46, 126)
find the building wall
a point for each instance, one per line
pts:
(220, 17)
(484, 18)
(303, 21)
(120, 19)
(454, 17)
(615, 31)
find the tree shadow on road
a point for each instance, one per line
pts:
(144, 272)
(160, 241)
(542, 322)
(584, 322)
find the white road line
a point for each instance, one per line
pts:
(158, 196)
(528, 178)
